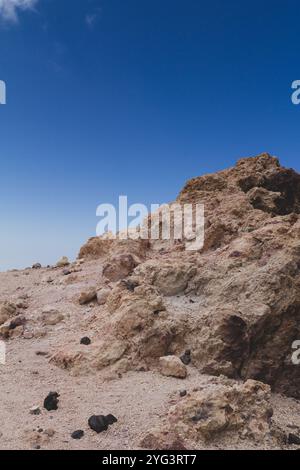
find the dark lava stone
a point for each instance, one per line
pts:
(51, 401)
(293, 439)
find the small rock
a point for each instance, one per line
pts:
(86, 297)
(98, 423)
(293, 439)
(67, 272)
(172, 366)
(86, 341)
(37, 266)
(62, 262)
(49, 432)
(77, 434)
(17, 321)
(51, 401)
(182, 393)
(102, 296)
(186, 357)
(35, 410)
(130, 284)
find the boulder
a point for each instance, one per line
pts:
(173, 367)
(7, 310)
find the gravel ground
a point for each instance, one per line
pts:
(137, 399)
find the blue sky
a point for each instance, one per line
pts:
(110, 97)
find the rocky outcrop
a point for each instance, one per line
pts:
(7, 310)
(213, 413)
(235, 304)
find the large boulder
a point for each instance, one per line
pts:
(7, 310)
(219, 410)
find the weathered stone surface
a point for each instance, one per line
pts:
(119, 267)
(171, 278)
(172, 366)
(212, 413)
(64, 261)
(88, 296)
(7, 310)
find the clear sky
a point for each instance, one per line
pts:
(134, 97)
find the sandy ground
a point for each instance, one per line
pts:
(137, 399)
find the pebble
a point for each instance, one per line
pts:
(186, 357)
(35, 410)
(51, 401)
(101, 423)
(293, 439)
(86, 341)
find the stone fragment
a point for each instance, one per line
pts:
(172, 366)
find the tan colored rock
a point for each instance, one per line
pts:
(7, 310)
(87, 297)
(172, 366)
(63, 262)
(107, 353)
(219, 410)
(102, 296)
(238, 298)
(119, 267)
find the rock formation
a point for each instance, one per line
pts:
(229, 311)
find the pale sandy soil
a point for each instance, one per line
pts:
(138, 399)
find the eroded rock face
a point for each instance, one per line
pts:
(171, 278)
(214, 412)
(119, 267)
(235, 303)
